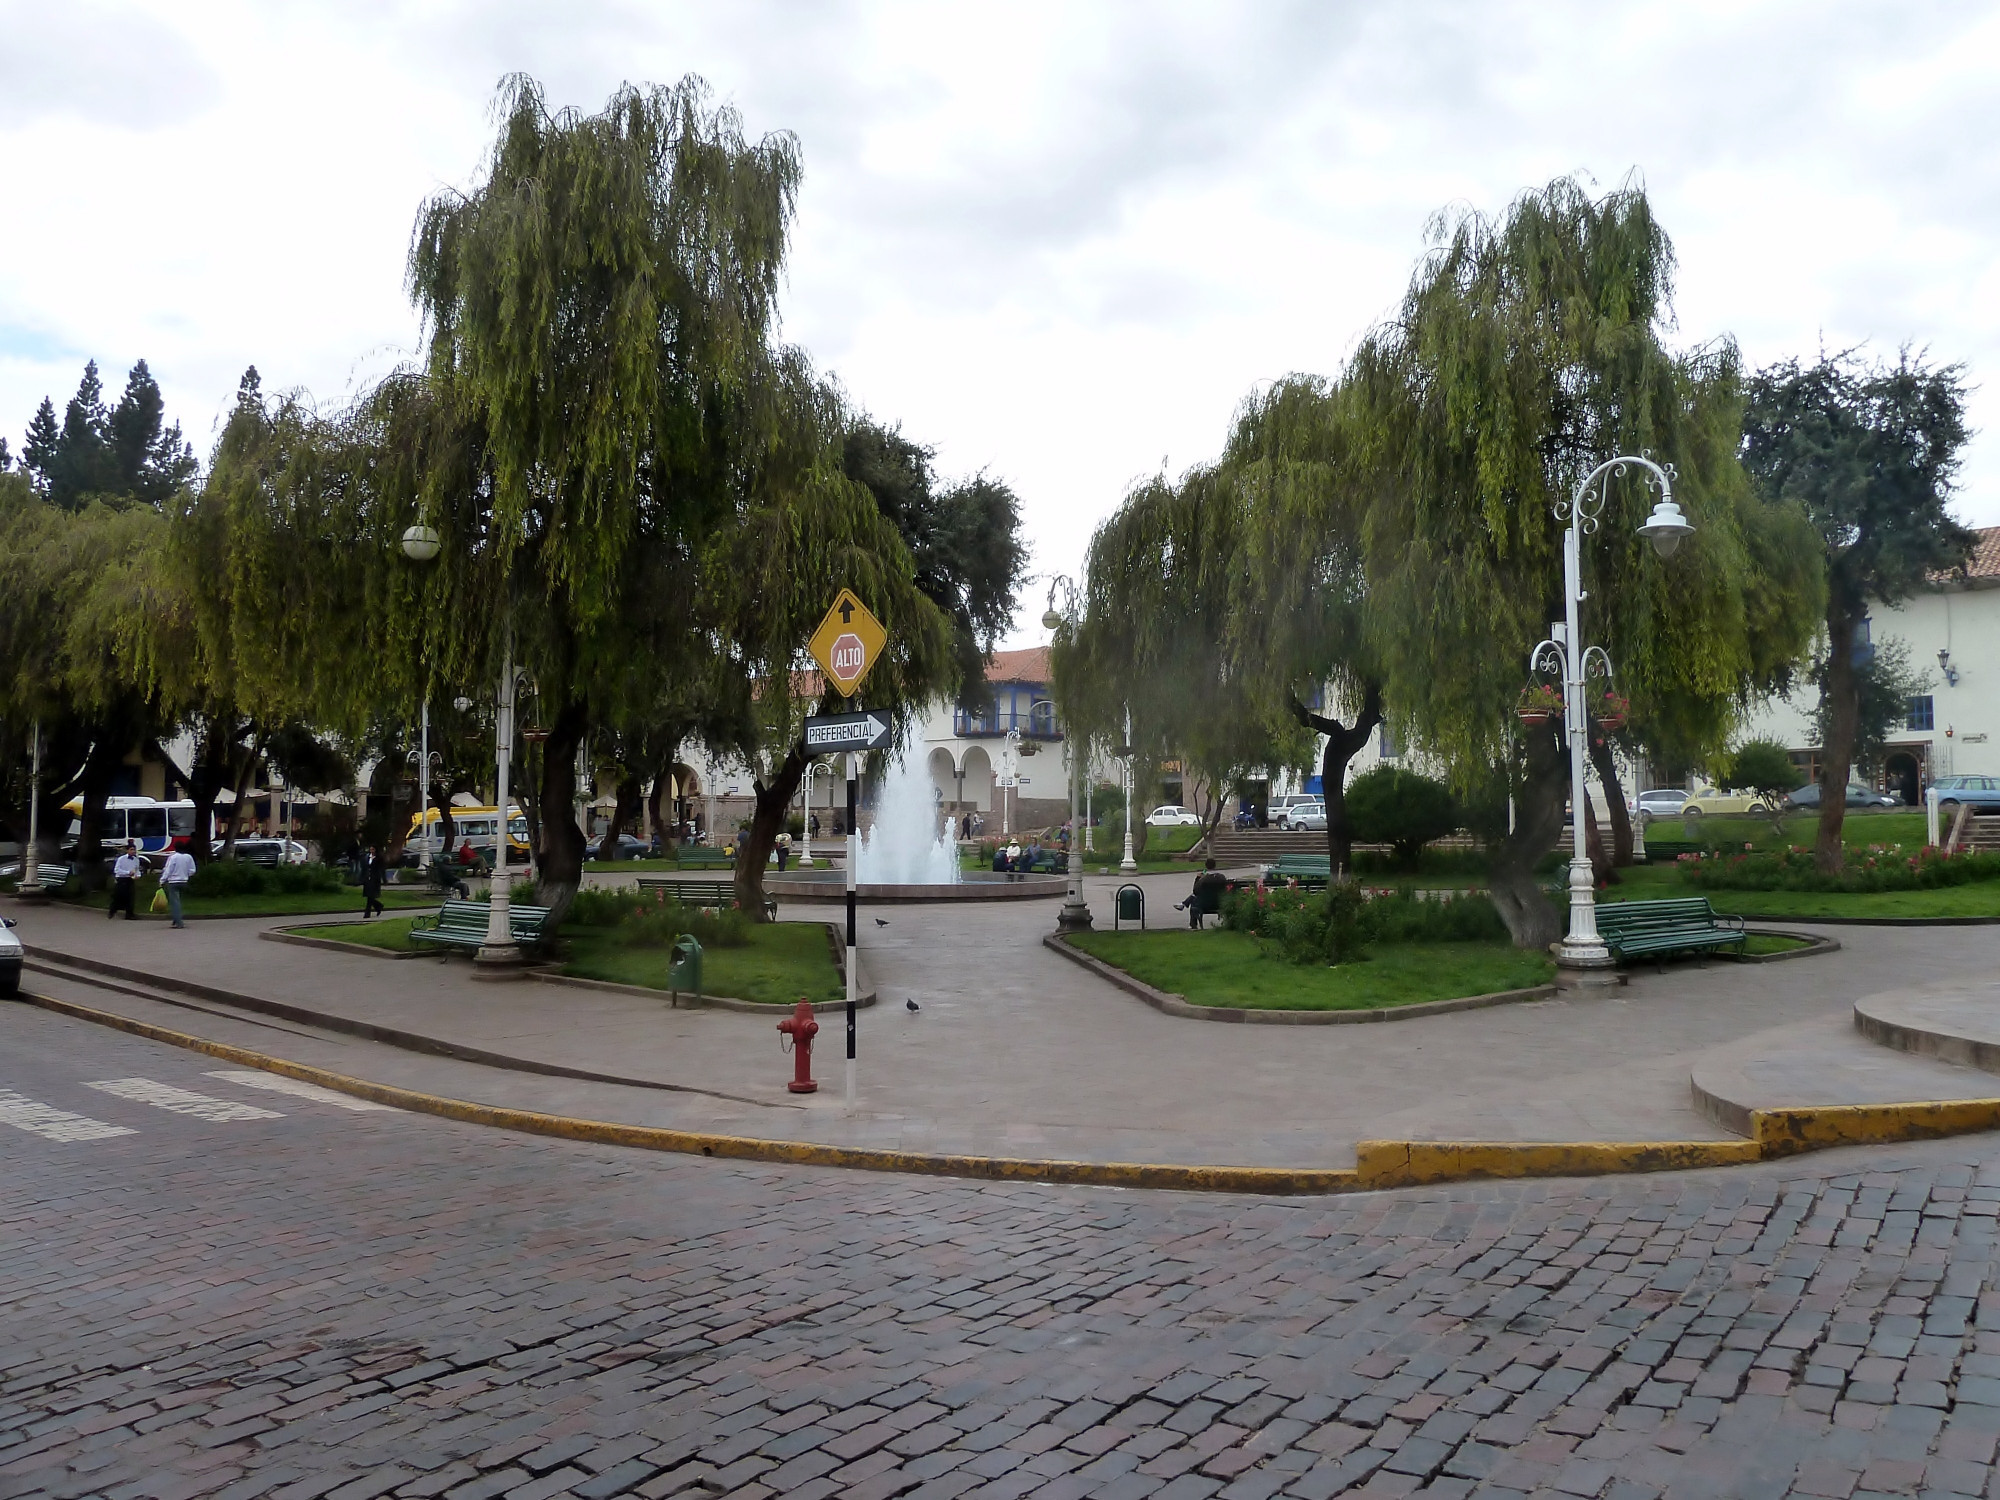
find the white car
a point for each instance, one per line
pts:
(10, 960)
(1282, 808)
(1171, 817)
(1309, 817)
(1660, 802)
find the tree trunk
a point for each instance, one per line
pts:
(665, 828)
(774, 805)
(107, 753)
(631, 791)
(1606, 766)
(1843, 717)
(1538, 817)
(1343, 743)
(240, 788)
(560, 871)
(215, 767)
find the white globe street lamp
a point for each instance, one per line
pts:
(1584, 947)
(1075, 915)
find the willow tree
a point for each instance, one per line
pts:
(1527, 350)
(595, 388)
(1298, 630)
(1156, 634)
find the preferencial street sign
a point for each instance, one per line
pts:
(847, 642)
(869, 731)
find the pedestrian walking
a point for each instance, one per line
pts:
(125, 875)
(371, 884)
(173, 880)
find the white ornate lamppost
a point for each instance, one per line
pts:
(1564, 651)
(1075, 915)
(806, 823)
(1128, 865)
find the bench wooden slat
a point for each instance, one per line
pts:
(719, 895)
(462, 924)
(1686, 924)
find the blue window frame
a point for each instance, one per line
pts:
(1922, 714)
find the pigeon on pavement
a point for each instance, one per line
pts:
(911, 1006)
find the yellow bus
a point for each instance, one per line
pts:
(470, 825)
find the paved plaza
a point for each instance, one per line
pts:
(1018, 1052)
(268, 1294)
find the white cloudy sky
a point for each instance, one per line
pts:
(1059, 242)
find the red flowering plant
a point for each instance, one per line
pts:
(1539, 702)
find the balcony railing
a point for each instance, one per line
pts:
(1032, 726)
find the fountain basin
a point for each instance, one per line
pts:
(972, 885)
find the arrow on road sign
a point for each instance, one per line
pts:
(826, 732)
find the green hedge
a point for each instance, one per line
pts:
(1878, 868)
(1336, 925)
(235, 877)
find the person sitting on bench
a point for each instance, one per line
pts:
(1206, 896)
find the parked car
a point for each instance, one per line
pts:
(1711, 801)
(10, 960)
(1170, 817)
(1309, 817)
(270, 852)
(628, 847)
(1806, 798)
(1660, 802)
(1280, 810)
(1980, 793)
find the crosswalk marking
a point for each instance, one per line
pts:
(298, 1088)
(182, 1101)
(53, 1124)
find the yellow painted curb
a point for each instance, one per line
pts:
(1385, 1164)
(1378, 1164)
(1785, 1132)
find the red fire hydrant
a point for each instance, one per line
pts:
(800, 1030)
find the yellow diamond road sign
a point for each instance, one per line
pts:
(847, 642)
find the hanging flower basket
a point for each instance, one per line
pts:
(1612, 711)
(1539, 704)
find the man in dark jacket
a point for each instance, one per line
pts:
(1209, 888)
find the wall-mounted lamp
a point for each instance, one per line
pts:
(1945, 666)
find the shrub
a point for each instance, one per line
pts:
(1336, 925)
(1389, 805)
(236, 877)
(1881, 867)
(649, 919)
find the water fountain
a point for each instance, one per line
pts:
(907, 844)
(909, 854)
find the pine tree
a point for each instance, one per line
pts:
(38, 454)
(151, 463)
(83, 460)
(6, 458)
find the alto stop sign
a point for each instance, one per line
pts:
(850, 658)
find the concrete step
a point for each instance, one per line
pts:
(1820, 1062)
(1955, 1023)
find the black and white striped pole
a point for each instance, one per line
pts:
(853, 874)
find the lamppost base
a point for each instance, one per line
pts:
(497, 961)
(1074, 918)
(1585, 966)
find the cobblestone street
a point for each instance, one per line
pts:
(220, 1289)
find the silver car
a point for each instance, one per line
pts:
(1660, 802)
(1307, 817)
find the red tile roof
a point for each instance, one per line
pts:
(1985, 559)
(1031, 665)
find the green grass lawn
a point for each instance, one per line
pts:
(392, 933)
(1858, 831)
(782, 961)
(1660, 882)
(298, 904)
(1224, 968)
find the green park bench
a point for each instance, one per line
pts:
(52, 877)
(1640, 929)
(1311, 871)
(715, 895)
(1668, 850)
(462, 924)
(702, 857)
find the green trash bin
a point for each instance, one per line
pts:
(684, 972)
(1129, 906)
